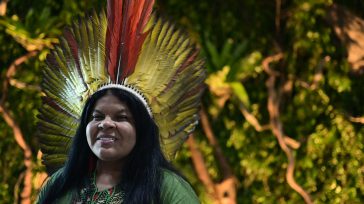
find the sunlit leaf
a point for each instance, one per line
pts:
(241, 93)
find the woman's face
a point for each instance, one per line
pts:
(111, 131)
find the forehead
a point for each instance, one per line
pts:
(112, 102)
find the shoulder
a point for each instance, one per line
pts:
(176, 190)
(55, 175)
(47, 185)
(50, 183)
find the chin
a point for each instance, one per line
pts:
(106, 158)
(109, 157)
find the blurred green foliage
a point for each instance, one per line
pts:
(234, 38)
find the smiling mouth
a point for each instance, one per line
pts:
(106, 138)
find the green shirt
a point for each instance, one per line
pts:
(175, 190)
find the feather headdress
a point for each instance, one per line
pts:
(127, 47)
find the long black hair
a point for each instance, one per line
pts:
(142, 172)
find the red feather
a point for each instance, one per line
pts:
(72, 43)
(124, 38)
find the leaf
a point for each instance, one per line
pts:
(226, 52)
(240, 92)
(215, 57)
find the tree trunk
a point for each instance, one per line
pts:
(223, 192)
(19, 138)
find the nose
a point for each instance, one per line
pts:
(107, 123)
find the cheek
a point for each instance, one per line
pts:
(89, 132)
(133, 135)
(130, 133)
(133, 139)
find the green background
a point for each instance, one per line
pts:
(235, 37)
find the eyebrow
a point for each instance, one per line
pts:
(120, 111)
(123, 110)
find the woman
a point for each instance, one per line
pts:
(116, 158)
(151, 83)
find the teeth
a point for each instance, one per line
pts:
(107, 139)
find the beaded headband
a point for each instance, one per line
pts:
(131, 90)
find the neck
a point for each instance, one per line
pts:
(108, 174)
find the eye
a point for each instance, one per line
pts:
(121, 118)
(97, 117)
